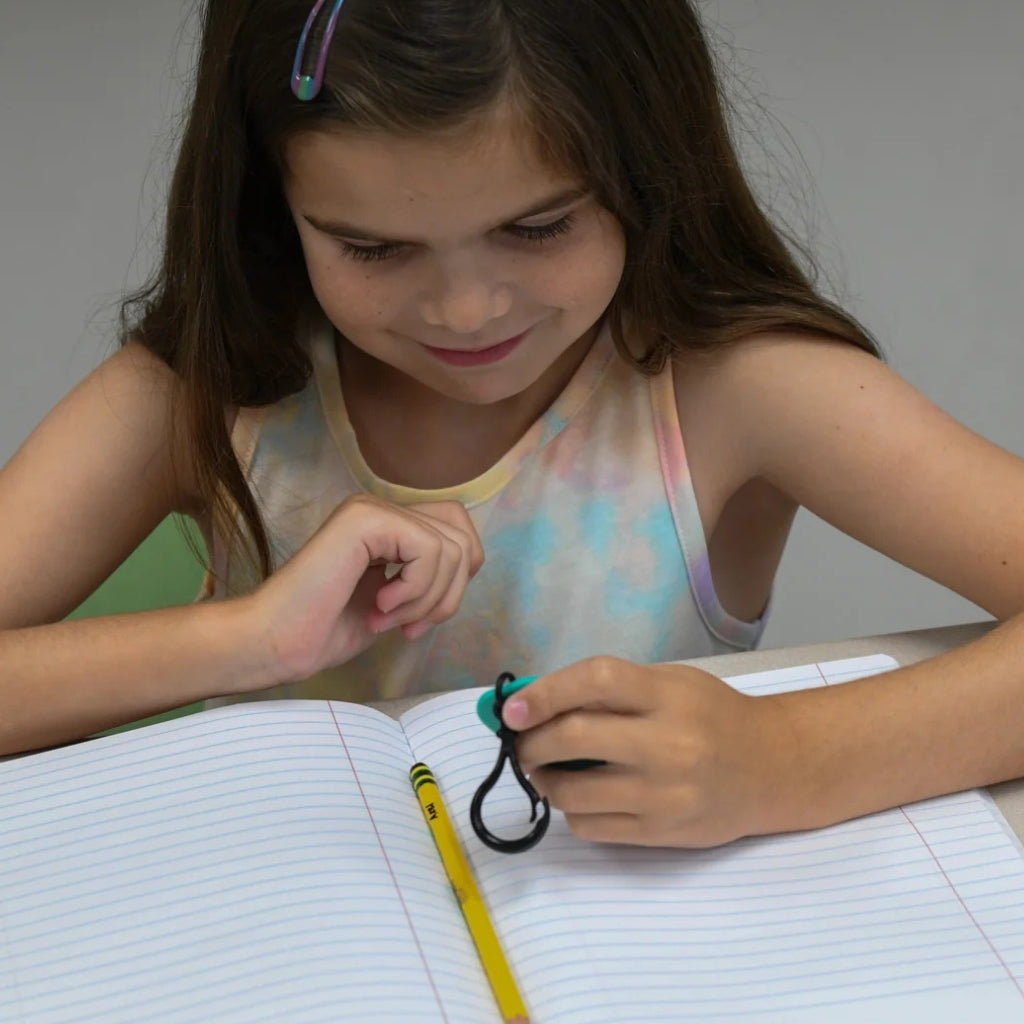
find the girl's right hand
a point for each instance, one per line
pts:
(334, 597)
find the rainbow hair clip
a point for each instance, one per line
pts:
(306, 87)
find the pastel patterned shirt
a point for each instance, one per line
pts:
(590, 527)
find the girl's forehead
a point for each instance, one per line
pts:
(485, 172)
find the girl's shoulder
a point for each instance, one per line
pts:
(834, 429)
(136, 390)
(762, 399)
(129, 417)
(760, 365)
(104, 467)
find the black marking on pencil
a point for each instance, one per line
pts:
(420, 775)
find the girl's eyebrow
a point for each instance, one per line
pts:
(341, 229)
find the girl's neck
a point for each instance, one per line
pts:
(410, 434)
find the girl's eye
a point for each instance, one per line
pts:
(369, 253)
(542, 232)
(539, 233)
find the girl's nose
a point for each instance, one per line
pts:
(466, 300)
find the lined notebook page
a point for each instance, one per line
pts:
(912, 914)
(224, 867)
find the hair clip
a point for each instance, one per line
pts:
(508, 753)
(306, 87)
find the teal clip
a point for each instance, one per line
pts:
(485, 712)
(485, 705)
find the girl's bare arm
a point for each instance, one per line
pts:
(91, 482)
(88, 485)
(853, 442)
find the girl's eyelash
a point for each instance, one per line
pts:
(369, 253)
(544, 231)
(540, 233)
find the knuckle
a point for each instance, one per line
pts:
(604, 671)
(460, 515)
(689, 802)
(684, 752)
(452, 513)
(573, 731)
(461, 542)
(454, 552)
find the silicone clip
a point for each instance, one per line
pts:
(503, 687)
(485, 705)
(486, 713)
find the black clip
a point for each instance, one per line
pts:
(508, 753)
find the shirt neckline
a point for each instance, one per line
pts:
(472, 492)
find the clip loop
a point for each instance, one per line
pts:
(508, 753)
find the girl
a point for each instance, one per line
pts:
(453, 278)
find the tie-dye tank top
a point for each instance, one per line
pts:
(589, 524)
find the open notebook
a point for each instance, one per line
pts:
(268, 862)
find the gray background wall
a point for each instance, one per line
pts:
(907, 115)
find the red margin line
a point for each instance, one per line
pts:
(391, 870)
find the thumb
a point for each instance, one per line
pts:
(602, 683)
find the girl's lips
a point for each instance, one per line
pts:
(477, 357)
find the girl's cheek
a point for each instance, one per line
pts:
(349, 295)
(584, 274)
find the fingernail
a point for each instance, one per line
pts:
(514, 714)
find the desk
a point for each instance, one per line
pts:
(906, 648)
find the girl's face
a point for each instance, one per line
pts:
(459, 260)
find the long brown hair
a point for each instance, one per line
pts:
(623, 93)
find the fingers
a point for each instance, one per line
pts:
(454, 516)
(584, 735)
(438, 551)
(608, 828)
(600, 790)
(599, 804)
(604, 683)
(609, 805)
(331, 599)
(429, 587)
(634, 830)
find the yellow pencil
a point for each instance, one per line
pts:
(474, 910)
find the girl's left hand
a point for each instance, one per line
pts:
(691, 762)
